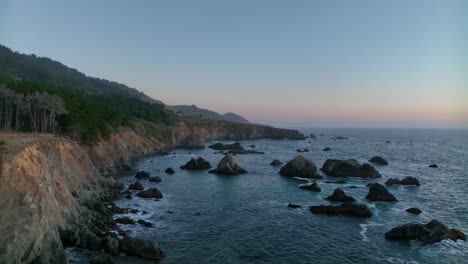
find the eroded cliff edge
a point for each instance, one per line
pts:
(46, 181)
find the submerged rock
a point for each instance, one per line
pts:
(276, 163)
(414, 210)
(294, 206)
(148, 249)
(252, 146)
(429, 233)
(118, 210)
(433, 166)
(340, 196)
(405, 181)
(170, 170)
(311, 187)
(142, 175)
(136, 186)
(151, 193)
(196, 164)
(300, 166)
(336, 182)
(155, 179)
(312, 136)
(351, 209)
(220, 146)
(378, 160)
(327, 149)
(378, 193)
(228, 166)
(349, 168)
(339, 137)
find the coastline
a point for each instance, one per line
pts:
(54, 188)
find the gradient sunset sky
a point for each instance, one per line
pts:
(288, 63)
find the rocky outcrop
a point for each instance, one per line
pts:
(433, 166)
(221, 146)
(148, 249)
(429, 233)
(414, 210)
(350, 209)
(155, 179)
(311, 187)
(276, 163)
(378, 160)
(228, 166)
(294, 206)
(136, 186)
(340, 196)
(142, 175)
(102, 259)
(300, 166)
(378, 193)
(169, 170)
(151, 193)
(406, 181)
(196, 164)
(349, 168)
(327, 149)
(246, 151)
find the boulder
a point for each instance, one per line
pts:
(151, 193)
(69, 237)
(148, 249)
(276, 163)
(118, 210)
(327, 149)
(252, 146)
(102, 259)
(247, 151)
(228, 166)
(349, 168)
(125, 220)
(136, 186)
(340, 196)
(170, 170)
(142, 175)
(350, 209)
(145, 223)
(378, 193)
(429, 233)
(433, 166)
(155, 179)
(196, 164)
(405, 181)
(220, 146)
(414, 210)
(378, 160)
(89, 240)
(311, 187)
(300, 166)
(294, 206)
(110, 245)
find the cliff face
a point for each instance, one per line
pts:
(45, 180)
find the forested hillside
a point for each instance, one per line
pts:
(53, 73)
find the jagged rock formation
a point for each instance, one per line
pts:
(349, 168)
(300, 166)
(429, 233)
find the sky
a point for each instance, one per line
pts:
(330, 63)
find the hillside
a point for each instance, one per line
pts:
(46, 71)
(194, 111)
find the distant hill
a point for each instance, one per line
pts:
(49, 72)
(194, 111)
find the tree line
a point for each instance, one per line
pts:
(37, 112)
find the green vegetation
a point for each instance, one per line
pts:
(90, 117)
(2, 142)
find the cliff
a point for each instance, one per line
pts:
(46, 182)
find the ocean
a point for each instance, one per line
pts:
(208, 218)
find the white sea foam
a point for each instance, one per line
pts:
(364, 230)
(394, 260)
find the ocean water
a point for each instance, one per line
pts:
(207, 218)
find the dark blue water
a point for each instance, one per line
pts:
(245, 218)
